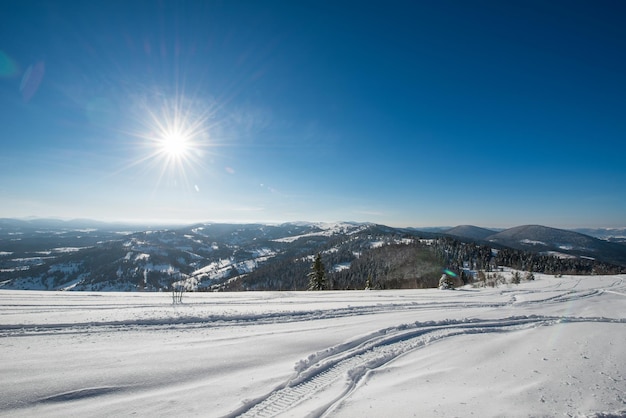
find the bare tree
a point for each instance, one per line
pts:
(178, 287)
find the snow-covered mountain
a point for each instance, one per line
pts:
(203, 255)
(78, 255)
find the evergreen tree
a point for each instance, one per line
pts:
(317, 276)
(446, 282)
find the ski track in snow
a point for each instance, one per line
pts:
(329, 377)
(215, 320)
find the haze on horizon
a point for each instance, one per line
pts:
(493, 114)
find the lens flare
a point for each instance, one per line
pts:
(31, 80)
(8, 66)
(450, 273)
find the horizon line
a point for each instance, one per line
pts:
(180, 222)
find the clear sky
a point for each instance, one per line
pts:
(405, 113)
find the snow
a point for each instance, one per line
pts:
(19, 268)
(67, 249)
(550, 347)
(558, 254)
(160, 267)
(532, 242)
(297, 237)
(66, 268)
(140, 256)
(264, 252)
(32, 260)
(341, 266)
(327, 229)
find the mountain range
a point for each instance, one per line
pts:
(89, 255)
(543, 239)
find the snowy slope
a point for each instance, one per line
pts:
(552, 347)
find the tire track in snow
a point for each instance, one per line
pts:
(328, 377)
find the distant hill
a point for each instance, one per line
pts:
(470, 231)
(607, 234)
(538, 238)
(538, 235)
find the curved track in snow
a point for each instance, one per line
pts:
(328, 377)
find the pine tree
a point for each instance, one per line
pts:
(317, 276)
(446, 282)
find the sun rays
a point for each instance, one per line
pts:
(174, 140)
(175, 145)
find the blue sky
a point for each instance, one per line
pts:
(416, 113)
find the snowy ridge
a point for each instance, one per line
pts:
(325, 230)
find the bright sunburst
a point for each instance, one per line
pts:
(175, 134)
(175, 145)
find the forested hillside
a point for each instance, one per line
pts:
(236, 257)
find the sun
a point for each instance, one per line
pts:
(175, 144)
(174, 139)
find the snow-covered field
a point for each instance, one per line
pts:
(552, 347)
